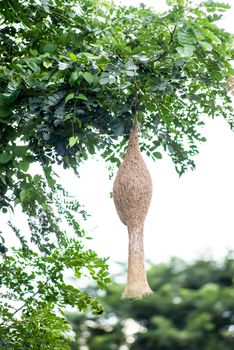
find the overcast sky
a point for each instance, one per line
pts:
(188, 217)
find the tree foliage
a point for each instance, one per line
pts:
(71, 75)
(192, 308)
(36, 282)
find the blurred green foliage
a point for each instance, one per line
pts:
(34, 284)
(192, 308)
(72, 73)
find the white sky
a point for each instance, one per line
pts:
(189, 216)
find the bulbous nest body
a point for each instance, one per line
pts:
(132, 190)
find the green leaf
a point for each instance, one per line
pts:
(74, 77)
(82, 97)
(186, 37)
(210, 35)
(23, 195)
(12, 91)
(5, 111)
(107, 280)
(5, 157)
(3, 178)
(101, 285)
(73, 57)
(69, 97)
(73, 140)
(206, 46)
(23, 166)
(157, 155)
(50, 47)
(104, 81)
(180, 50)
(34, 52)
(88, 77)
(51, 182)
(3, 249)
(186, 50)
(36, 179)
(20, 151)
(79, 123)
(33, 66)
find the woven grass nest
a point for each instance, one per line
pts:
(132, 192)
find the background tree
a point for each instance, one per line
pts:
(193, 307)
(70, 75)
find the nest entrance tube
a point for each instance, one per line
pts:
(132, 192)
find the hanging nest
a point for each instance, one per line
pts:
(132, 194)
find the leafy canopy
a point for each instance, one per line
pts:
(71, 76)
(35, 280)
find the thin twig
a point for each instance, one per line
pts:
(25, 303)
(169, 43)
(163, 24)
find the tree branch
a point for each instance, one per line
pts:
(169, 43)
(25, 303)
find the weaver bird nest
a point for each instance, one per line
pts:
(132, 194)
